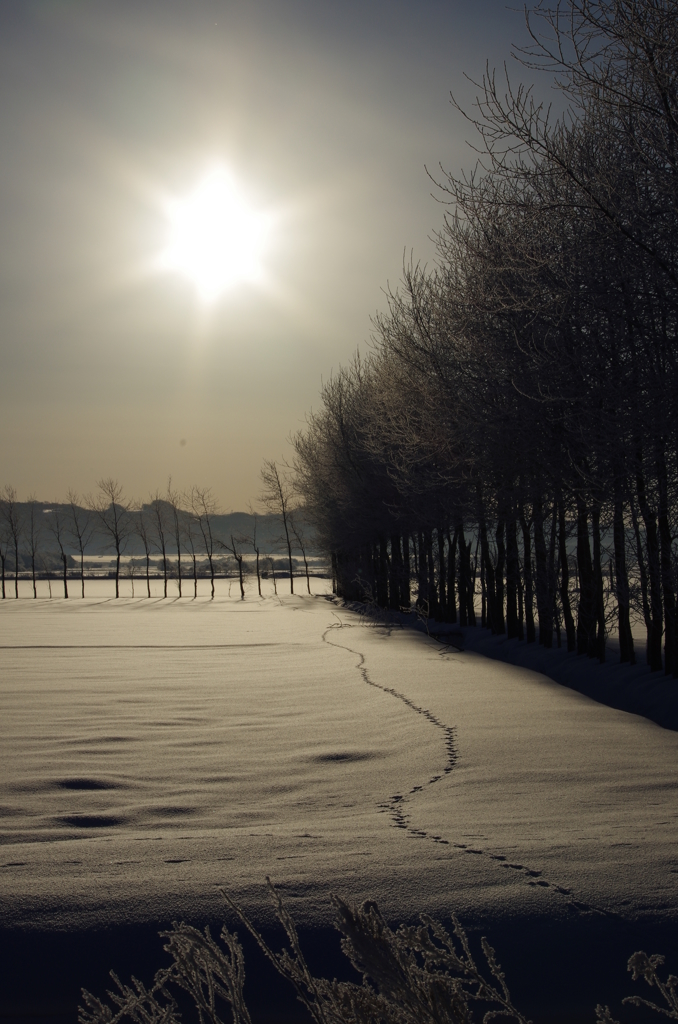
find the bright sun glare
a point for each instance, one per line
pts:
(216, 239)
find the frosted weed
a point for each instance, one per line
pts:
(643, 966)
(418, 974)
(415, 974)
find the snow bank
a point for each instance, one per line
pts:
(627, 687)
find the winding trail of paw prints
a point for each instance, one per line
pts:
(448, 730)
(396, 805)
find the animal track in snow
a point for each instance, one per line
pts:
(394, 806)
(402, 820)
(450, 745)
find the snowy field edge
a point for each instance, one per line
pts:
(632, 688)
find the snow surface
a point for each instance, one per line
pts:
(153, 751)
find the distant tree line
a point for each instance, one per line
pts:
(507, 452)
(176, 534)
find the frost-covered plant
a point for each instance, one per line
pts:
(411, 976)
(643, 966)
(418, 974)
(208, 972)
(414, 975)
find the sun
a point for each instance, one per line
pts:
(215, 238)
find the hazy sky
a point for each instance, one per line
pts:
(324, 113)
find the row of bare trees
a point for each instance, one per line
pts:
(168, 522)
(509, 448)
(175, 531)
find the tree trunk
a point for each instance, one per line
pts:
(381, 567)
(642, 570)
(240, 579)
(512, 573)
(626, 651)
(179, 566)
(552, 571)
(499, 577)
(451, 565)
(568, 618)
(586, 613)
(395, 575)
(65, 562)
(544, 600)
(654, 641)
(471, 589)
(259, 575)
(530, 632)
(306, 569)
(289, 555)
(442, 596)
(405, 594)
(117, 569)
(489, 577)
(670, 659)
(462, 584)
(432, 591)
(599, 639)
(422, 600)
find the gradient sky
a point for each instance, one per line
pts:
(326, 113)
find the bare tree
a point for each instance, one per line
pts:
(176, 516)
(174, 511)
(4, 547)
(271, 565)
(81, 528)
(13, 520)
(233, 547)
(113, 514)
(57, 524)
(131, 572)
(3, 561)
(142, 528)
(47, 571)
(298, 532)
(158, 516)
(277, 497)
(34, 533)
(203, 506)
(189, 534)
(255, 546)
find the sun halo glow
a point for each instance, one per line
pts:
(216, 239)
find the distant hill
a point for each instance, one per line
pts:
(270, 536)
(240, 525)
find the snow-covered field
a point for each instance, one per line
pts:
(155, 750)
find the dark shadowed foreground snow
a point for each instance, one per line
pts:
(153, 751)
